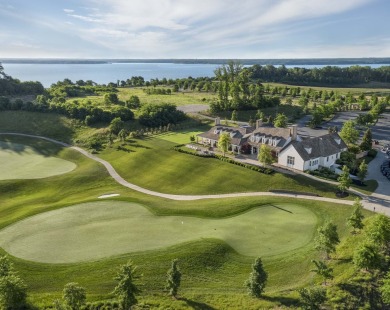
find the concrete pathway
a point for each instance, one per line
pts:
(375, 202)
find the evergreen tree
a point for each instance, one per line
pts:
(234, 117)
(257, 279)
(173, 279)
(366, 144)
(126, 290)
(356, 218)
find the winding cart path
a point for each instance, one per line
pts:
(381, 205)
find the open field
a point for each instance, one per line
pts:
(18, 161)
(179, 99)
(97, 230)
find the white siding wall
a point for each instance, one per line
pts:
(291, 151)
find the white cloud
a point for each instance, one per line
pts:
(68, 11)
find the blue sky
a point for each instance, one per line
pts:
(194, 28)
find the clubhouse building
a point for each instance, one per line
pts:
(290, 149)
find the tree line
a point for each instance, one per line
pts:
(329, 75)
(10, 86)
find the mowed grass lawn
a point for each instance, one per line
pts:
(152, 163)
(69, 235)
(18, 161)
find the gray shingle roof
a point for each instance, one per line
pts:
(239, 135)
(323, 146)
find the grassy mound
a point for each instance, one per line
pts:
(100, 229)
(18, 161)
(151, 163)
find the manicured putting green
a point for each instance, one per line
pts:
(18, 161)
(95, 230)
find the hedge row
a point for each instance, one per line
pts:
(178, 148)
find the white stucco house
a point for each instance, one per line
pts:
(287, 146)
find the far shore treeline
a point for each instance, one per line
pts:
(236, 87)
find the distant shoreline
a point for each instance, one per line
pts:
(277, 62)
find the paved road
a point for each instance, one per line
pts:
(120, 180)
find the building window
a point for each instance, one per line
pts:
(290, 161)
(327, 158)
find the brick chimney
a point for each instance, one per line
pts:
(217, 121)
(259, 123)
(293, 132)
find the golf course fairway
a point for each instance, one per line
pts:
(95, 230)
(18, 161)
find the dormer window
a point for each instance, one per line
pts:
(308, 150)
(216, 131)
(338, 141)
(232, 134)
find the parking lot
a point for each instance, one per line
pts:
(381, 130)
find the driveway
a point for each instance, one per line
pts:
(381, 197)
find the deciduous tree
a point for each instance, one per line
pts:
(265, 155)
(312, 298)
(327, 238)
(116, 125)
(344, 180)
(223, 142)
(385, 289)
(322, 269)
(281, 120)
(348, 132)
(13, 291)
(378, 231)
(74, 295)
(356, 218)
(367, 256)
(363, 170)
